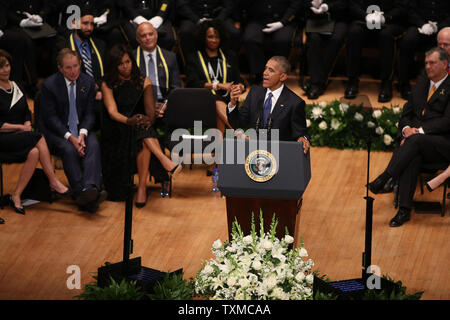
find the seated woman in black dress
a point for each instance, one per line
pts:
(17, 142)
(129, 101)
(214, 68)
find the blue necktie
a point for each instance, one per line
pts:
(73, 116)
(86, 60)
(267, 108)
(152, 75)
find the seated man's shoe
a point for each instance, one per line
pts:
(93, 207)
(378, 185)
(306, 87)
(315, 92)
(405, 90)
(352, 89)
(401, 217)
(385, 92)
(87, 196)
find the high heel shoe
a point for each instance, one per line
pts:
(175, 170)
(140, 205)
(16, 209)
(428, 187)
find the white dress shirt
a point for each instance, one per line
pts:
(155, 64)
(275, 95)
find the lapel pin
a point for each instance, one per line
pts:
(442, 92)
(83, 89)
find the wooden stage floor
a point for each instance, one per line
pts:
(37, 249)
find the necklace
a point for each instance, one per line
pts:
(8, 91)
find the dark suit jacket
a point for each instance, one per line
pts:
(422, 11)
(288, 115)
(174, 80)
(395, 11)
(54, 104)
(436, 119)
(269, 11)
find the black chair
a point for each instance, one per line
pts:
(428, 170)
(184, 107)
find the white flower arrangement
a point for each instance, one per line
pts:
(256, 267)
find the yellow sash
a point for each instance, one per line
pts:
(224, 67)
(166, 69)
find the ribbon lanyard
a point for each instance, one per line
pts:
(166, 69)
(100, 62)
(205, 70)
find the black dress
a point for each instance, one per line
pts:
(15, 146)
(121, 143)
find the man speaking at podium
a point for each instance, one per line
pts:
(272, 105)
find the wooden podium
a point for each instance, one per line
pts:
(281, 194)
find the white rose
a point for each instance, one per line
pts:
(277, 293)
(310, 278)
(231, 281)
(387, 139)
(303, 252)
(335, 124)
(300, 276)
(308, 123)
(370, 124)
(267, 244)
(376, 114)
(396, 110)
(244, 282)
(359, 117)
(379, 131)
(217, 244)
(323, 125)
(270, 282)
(248, 239)
(288, 239)
(208, 269)
(256, 265)
(322, 104)
(332, 112)
(343, 107)
(316, 113)
(396, 124)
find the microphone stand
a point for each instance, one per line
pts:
(367, 254)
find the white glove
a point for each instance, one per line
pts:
(139, 19)
(316, 3)
(156, 21)
(203, 20)
(27, 23)
(34, 17)
(376, 18)
(322, 9)
(271, 27)
(434, 25)
(101, 19)
(1, 33)
(427, 29)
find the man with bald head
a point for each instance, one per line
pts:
(443, 41)
(158, 64)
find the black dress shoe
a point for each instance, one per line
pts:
(16, 209)
(405, 90)
(87, 197)
(93, 206)
(378, 185)
(315, 92)
(352, 89)
(401, 217)
(385, 92)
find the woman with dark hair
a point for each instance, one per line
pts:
(215, 68)
(129, 101)
(17, 142)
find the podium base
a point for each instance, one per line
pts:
(145, 277)
(351, 289)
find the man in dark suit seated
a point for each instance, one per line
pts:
(425, 128)
(272, 105)
(67, 118)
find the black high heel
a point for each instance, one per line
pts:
(16, 209)
(428, 187)
(175, 170)
(2, 221)
(140, 205)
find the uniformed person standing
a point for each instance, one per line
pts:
(268, 20)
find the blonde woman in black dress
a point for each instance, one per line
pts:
(18, 143)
